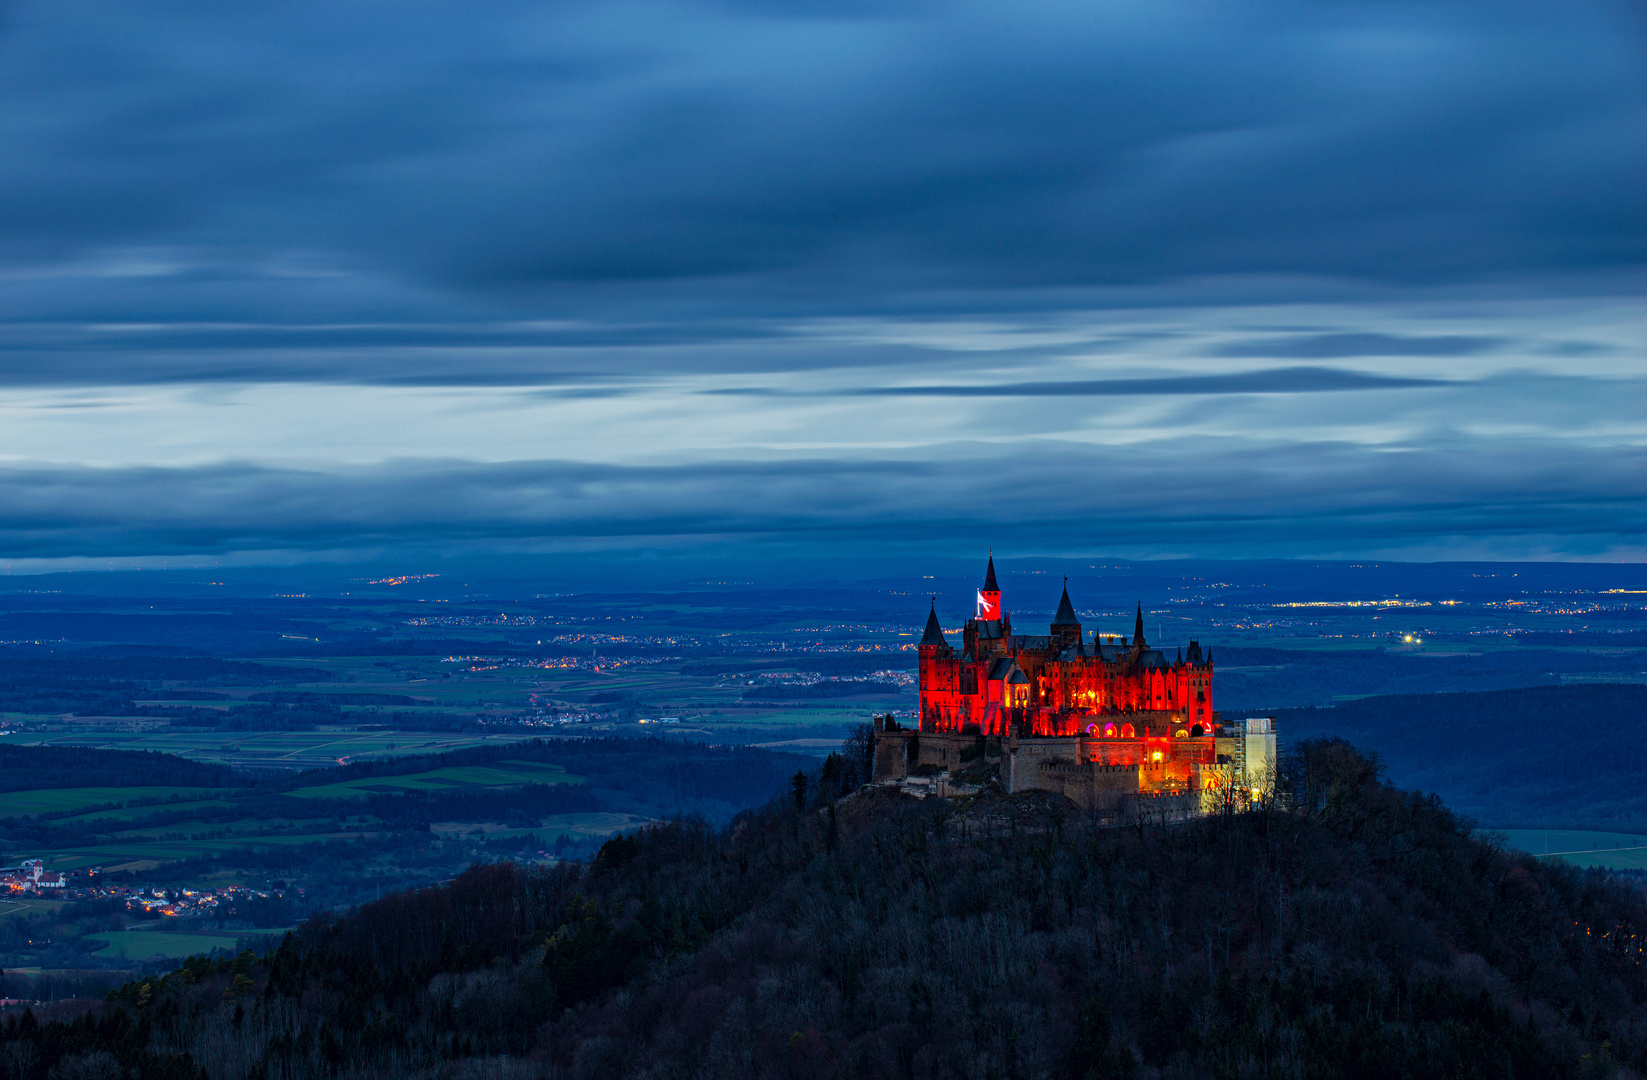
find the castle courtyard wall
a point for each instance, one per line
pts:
(1095, 773)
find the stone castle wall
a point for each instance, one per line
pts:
(1094, 773)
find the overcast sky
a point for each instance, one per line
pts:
(1250, 278)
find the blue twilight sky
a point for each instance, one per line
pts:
(1258, 278)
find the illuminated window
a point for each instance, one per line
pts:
(1126, 731)
(1180, 734)
(1109, 731)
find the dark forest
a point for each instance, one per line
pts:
(1345, 928)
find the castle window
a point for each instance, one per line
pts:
(1126, 731)
(1109, 731)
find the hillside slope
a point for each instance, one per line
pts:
(1541, 757)
(1361, 932)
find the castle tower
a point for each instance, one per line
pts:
(934, 639)
(989, 597)
(1066, 628)
(937, 679)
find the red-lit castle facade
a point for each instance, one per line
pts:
(1058, 683)
(1061, 711)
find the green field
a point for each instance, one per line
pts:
(148, 944)
(1626, 859)
(138, 813)
(1565, 841)
(504, 774)
(1605, 850)
(208, 827)
(138, 853)
(582, 826)
(284, 749)
(141, 837)
(57, 800)
(785, 716)
(27, 907)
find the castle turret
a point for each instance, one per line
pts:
(934, 636)
(1066, 628)
(989, 597)
(1198, 703)
(936, 679)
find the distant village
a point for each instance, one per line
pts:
(31, 876)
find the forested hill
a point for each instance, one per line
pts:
(1349, 930)
(661, 775)
(25, 768)
(648, 775)
(1539, 757)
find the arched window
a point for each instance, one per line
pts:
(1109, 731)
(1126, 731)
(1180, 734)
(1197, 731)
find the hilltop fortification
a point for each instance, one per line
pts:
(1093, 718)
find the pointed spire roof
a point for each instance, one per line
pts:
(1138, 627)
(1180, 654)
(989, 576)
(934, 633)
(1066, 610)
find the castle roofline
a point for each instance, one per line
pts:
(1066, 612)
(934, 632)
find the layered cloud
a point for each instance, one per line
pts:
(811, 154)
(1206, 276)
(1232, 498)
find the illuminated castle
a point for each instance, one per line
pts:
(1059, 683)
(1086, 717)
